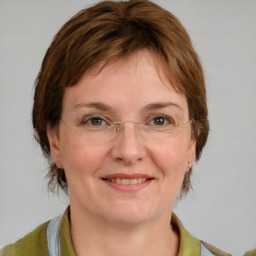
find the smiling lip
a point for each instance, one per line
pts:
(128, 182)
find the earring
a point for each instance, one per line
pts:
(189, 165)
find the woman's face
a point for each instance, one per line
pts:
(128, 89)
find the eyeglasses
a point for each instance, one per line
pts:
(100, 128)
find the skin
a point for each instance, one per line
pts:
(105, 220)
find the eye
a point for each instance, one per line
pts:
(94, 121)
(97, 121)
(161, 121)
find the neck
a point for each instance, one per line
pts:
(92, 236)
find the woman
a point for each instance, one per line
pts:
(120, 112)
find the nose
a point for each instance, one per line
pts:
(128, 146)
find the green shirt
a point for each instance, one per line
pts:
(35, 243)
(250, 253)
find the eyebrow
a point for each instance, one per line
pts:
(159, 105)
(149, 107)
(97, 105)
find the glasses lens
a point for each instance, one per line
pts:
(98, 129)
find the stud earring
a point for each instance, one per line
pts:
(189, 165)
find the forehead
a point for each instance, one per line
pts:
(135, 66)
(137, 79)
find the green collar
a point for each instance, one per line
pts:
(189, 245)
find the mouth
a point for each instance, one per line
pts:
(124, 182)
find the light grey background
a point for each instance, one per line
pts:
(222, 209)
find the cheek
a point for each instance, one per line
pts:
(171, 158)
(80, 157)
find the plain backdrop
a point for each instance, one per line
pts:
(222, 208)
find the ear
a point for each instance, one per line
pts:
(53, 139)
(191, 156)
(192, 146)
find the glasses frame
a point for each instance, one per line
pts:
(117, 124)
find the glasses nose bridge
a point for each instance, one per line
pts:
(121, 123)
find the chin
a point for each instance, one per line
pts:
(131, 215)
(129, 220)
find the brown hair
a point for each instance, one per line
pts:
(110, 30)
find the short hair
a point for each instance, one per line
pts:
(106, 31)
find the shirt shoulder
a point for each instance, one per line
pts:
(190, 245)
(214, 250)
(248, 253)
(33, 244)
